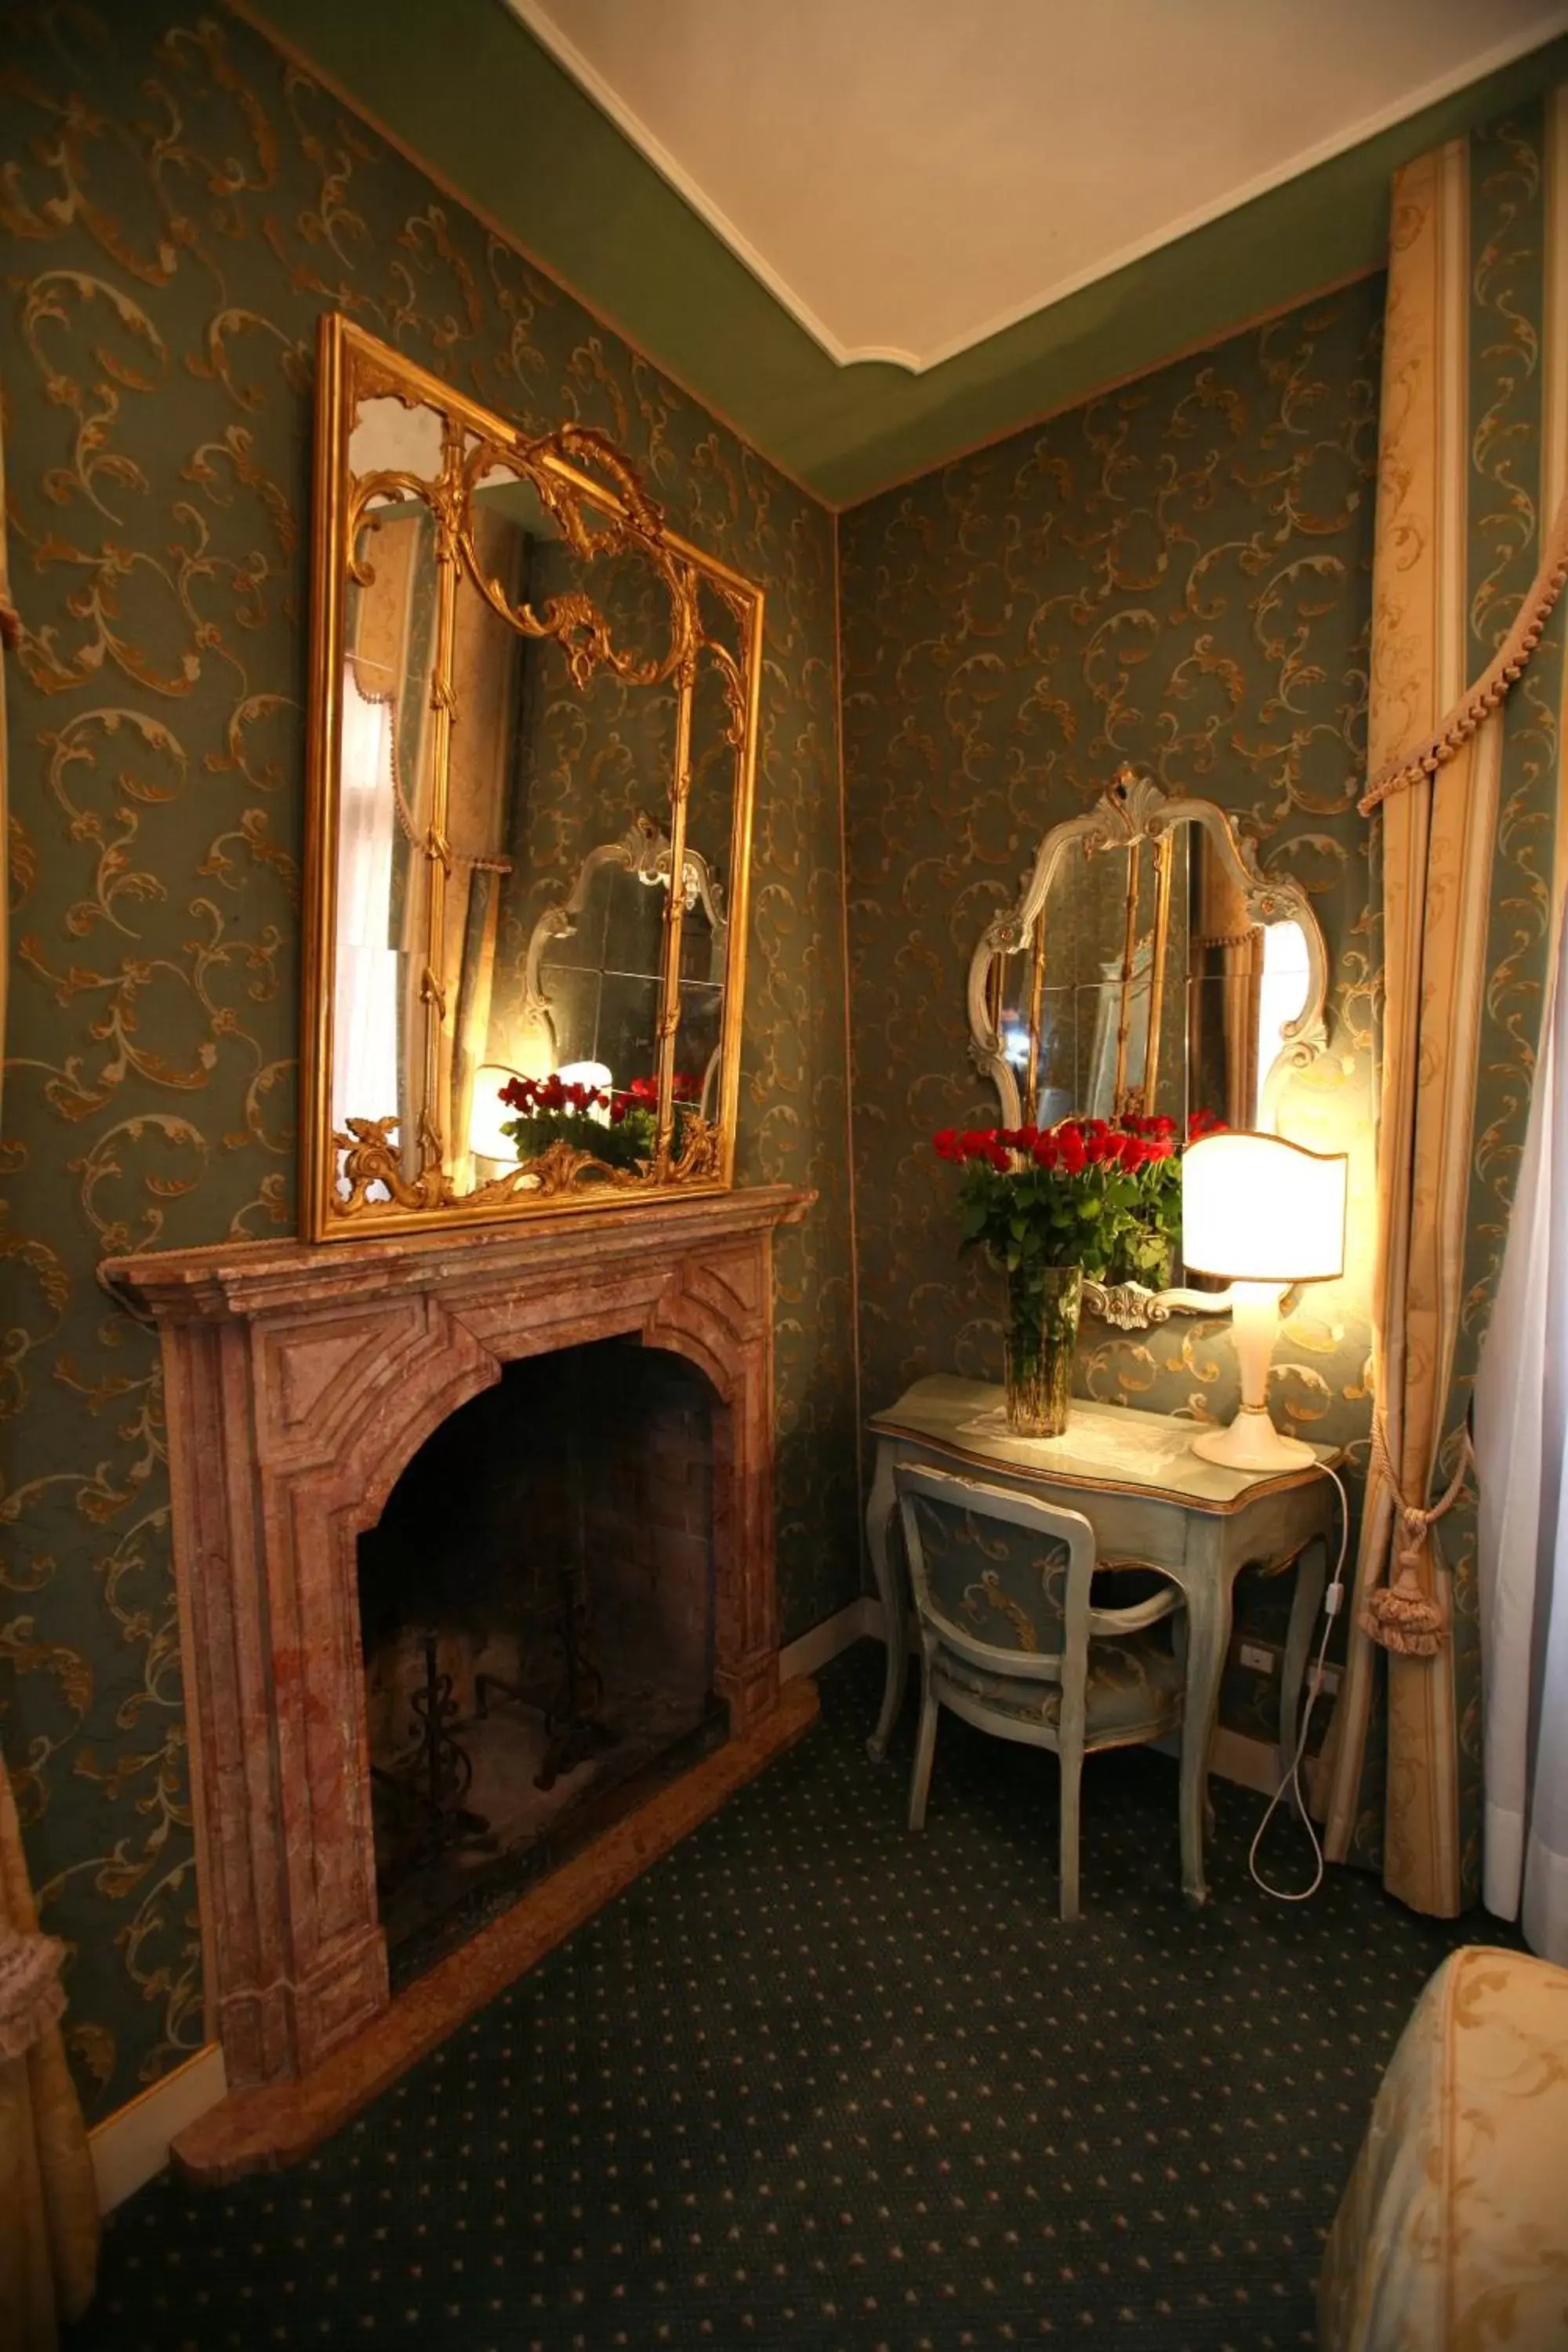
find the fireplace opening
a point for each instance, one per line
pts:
(536, 1616)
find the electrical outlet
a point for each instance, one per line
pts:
(1260, 1661)
(1330, 1682)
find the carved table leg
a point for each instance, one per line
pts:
(1208, 1630)
(895, 1629)
(1312, 1576)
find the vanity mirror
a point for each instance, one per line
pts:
(1148, 969)
(532, 704)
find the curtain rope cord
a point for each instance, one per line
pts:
(1490, 690)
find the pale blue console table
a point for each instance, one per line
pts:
(1150, 1500)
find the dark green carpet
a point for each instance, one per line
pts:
(814, 2082)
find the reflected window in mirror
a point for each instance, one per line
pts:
(1286, 981)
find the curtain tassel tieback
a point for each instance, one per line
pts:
(1403, 1616)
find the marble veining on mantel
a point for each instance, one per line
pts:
(300, 1380)
(249, 1277)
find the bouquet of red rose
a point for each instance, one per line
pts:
(560, 1110)
(1101, 1194)
(1088, 1197)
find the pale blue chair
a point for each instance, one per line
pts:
(1010, 1639)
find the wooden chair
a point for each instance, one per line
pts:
(1010, 1639)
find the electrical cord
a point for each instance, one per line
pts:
(1333, 1602)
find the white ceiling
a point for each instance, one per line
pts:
(909, 177)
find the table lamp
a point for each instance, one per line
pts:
(1262, 1214)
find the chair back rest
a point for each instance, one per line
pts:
(999, 1577)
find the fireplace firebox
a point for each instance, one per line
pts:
(536, 1622)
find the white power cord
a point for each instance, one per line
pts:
(1333, 1602)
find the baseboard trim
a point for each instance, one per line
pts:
(1255, 1765)
(827, 1641)
(133, 2144)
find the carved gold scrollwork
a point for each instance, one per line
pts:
(572, 619)
(561, 1169)
(370, 1157)
(701, 1147)
(355, 1170)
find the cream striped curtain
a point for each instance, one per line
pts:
(1466, 730)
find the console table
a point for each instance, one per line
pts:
(1151, 1502)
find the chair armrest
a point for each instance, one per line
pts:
(1133, 1620)
(1028, 1665)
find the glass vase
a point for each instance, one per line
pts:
(1043, 1307)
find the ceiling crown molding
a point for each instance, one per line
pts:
(631, 126)
(548, 20)
(507, 130)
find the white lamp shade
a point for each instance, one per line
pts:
(1258, 1209)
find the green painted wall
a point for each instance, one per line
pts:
(181, 206)
(516, 134)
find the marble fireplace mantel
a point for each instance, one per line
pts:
(300, 1380)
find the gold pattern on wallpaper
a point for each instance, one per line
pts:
(181, 208)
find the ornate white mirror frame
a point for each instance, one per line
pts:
(1134, 809)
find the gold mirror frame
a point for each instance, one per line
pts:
(602, 511)
(1132, 809)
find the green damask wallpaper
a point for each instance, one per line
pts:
(1178, 574)
(180, 205)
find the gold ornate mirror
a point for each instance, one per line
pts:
(532, 704)
(1148, 968)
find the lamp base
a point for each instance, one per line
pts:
(1252, 1443)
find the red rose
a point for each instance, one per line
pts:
(1074, 1152)
(1046, 1153)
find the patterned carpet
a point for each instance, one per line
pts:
(812, 2083)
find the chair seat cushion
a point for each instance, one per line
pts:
(1451, 2233)
(1133, 1692)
